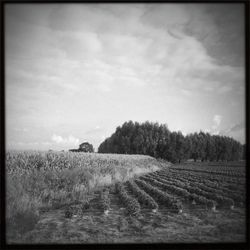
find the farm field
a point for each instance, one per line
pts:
(104, 198)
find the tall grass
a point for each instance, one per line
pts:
(37, 180)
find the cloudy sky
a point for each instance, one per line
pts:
(74, 72)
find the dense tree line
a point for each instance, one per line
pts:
(156, 140)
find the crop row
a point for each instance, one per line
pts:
(142, 196)
(212, 187)
(230, 182)
(203, 190)
(217, 172)
(222, 200)
(105, 200)
(226, 182)
(131, 204)
(159, 195)
(177, 188)
(215, 168)
(204, 185)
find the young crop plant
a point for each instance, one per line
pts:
(211, 186)
(195, 193)
(163, 197)
(182, 189)
(142, 196)
(105, 201)
(169, 187)
(220, 195)
(213, 196)
(131, 204)
(68, 213)
(217, 194)
(203, 200)
(234, 176)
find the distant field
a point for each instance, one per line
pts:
(233, 169)
(104, 198)
(241, 163)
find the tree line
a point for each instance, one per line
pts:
(157, 140)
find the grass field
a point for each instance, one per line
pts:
(58, 197)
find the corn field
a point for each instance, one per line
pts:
(39, 180)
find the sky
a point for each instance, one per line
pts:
(75, 72)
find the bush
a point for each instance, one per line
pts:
(22, 214)
(131, 204)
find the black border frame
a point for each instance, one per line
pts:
(155, 246)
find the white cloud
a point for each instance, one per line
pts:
(57, 138)
(103, 87)
(65, 140)
(96, 130)
(224, 89)
(208, 88)
(217, 120)
(79, 45)
(216, 132)
(21, 145)
(237, 131)
(216, 123)
(238, 127)
(166, 15)
(186, 92)
(46, 143)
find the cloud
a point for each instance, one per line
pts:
(98, 18)
(166, 16)
(57, 138)
(64, 51)
(216, 123)
(21, 145)
(65, 140)
(236, 127)
(96, 130)
(70, 67)
(186, 92)
(224, 89)
(79, 45)
(237, 131)
(46, 143)
(217, 120)
(221, 30)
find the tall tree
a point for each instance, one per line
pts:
(156, 140)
